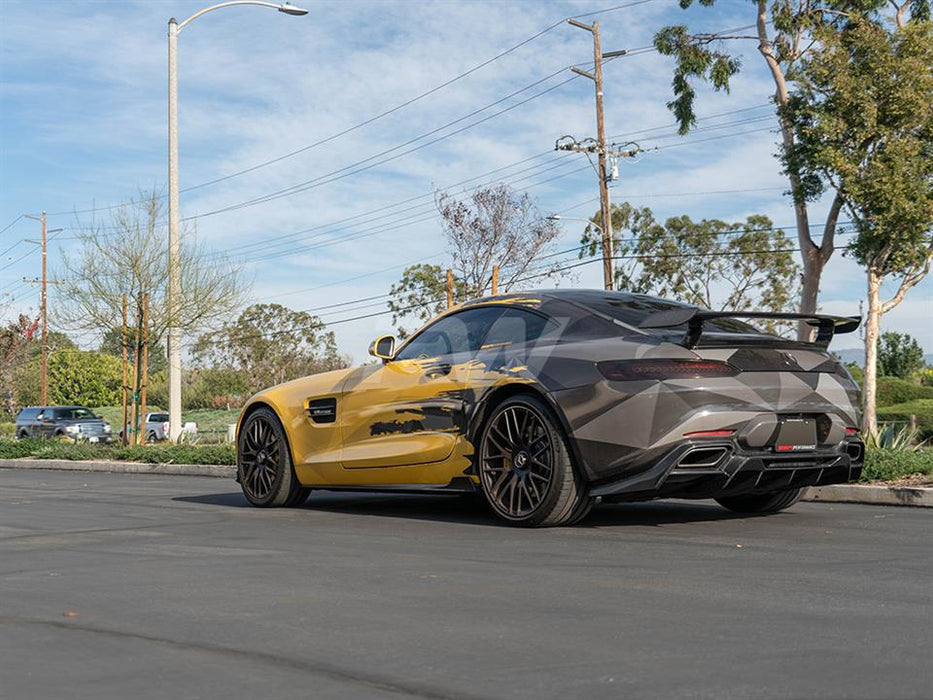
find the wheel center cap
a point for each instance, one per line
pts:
(521, 459)
(261, 457)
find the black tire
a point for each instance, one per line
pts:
(22, 435)
(583, 509)
(762, 503)
(298, 497)
(151, 437)
(525, 466)
(264, 463)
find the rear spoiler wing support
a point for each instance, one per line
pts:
(827, 326)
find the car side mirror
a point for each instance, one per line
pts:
(383, 347)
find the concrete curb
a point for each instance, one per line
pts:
(872, 495)
(225, 471)
(840, 493)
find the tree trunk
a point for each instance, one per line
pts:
(872, 331)
(814, 257)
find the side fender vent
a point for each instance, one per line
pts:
(323, 410)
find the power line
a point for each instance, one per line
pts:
(377, 117)
(349, 170)
(264, 242)
(561, 269)
(549, 272)
(10, 225)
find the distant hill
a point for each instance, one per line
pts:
(857, 355)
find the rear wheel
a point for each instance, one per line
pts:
(264, 464)
(525, 468)
(761, 502)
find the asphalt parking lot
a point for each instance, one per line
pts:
(131, 586)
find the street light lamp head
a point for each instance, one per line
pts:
(292, 10)
(554, 217)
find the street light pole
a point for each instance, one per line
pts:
(174, 273)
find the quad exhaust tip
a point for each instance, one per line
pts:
(703, 458)
(854, 450)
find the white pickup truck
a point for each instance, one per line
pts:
(156, 428)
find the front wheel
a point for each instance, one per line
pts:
(264, 464)
(525, 468)
(762, 502)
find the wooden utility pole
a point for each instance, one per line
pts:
(144, 372)
(134, 429)
(125, 388)
(495, 280)
(450, 289)
(600, 147)
(43, 304)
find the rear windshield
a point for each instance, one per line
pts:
(632, 310)
(159, 418)
(73, 414)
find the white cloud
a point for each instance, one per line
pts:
(88, 104)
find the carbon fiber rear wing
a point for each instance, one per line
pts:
(827, 326)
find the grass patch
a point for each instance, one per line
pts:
(151, 454)
(212, 423)
(887, 465)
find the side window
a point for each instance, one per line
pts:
(462, 332)
(516, 326)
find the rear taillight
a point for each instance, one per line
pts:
(851, 431)
(628, 370)
(709, 433)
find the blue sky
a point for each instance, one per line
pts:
(83, 108)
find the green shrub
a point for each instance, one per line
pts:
(922, 408)
(7, 430)
(925, 376)
(893, 391)
(857, 373)
(157, 454)
(884, 464)
(14, 449)
(178, 454)
(76, 452)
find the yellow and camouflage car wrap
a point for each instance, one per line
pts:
(647, 398)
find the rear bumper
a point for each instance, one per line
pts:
(712, 469)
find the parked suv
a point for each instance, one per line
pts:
(74, 422)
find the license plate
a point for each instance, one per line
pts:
(796, 435)
(93, 439)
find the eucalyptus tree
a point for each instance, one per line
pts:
(785, 33)
(862, 116)
(744, 265)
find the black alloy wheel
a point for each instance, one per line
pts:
(264, 465)
(525, 468)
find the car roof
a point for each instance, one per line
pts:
(580, 296)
